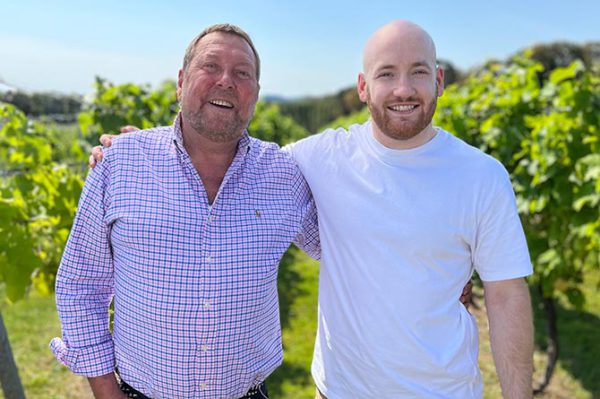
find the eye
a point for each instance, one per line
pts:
(421, 72)
(386, 74)
(243, 74)
(210, 66)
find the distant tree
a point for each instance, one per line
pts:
(350, 101)
(270, 125)
(113, 106)
(591, 54)
(451, 73)
(562, 54)
(555, 55)
(58, 106)
(315, 112)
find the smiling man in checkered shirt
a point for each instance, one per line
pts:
(183, 228)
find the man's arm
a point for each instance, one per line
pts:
(511, 335)
(307, 239)
(106, 387)
(84, 287)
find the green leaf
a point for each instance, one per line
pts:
(561, 74)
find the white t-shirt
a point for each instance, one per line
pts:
(401, 232)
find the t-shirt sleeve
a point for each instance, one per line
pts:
(303, 152)
(500, 251)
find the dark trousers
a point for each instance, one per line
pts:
(259, 392)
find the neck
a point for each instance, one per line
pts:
(198, 144)
(211, 158)
(404, 144)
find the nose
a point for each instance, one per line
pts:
(225, 80)
(403, 87)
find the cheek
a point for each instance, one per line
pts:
(377, 96)
(250, 97)
(380, 90)
(428, 89)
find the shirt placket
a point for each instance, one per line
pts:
(212, 247)
(215, 263)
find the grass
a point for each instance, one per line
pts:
(298, 283)
(33, 322)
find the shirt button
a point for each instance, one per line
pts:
(206, 305)
(203, 386)
(204, 348)
(208, 259)
(211, 218)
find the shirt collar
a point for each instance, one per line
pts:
(244, 142)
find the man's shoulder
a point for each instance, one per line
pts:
(145, 141)
(462, 148)
(330, 139)
(152, 136)
(267, 153)
(476, 163)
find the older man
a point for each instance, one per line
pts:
(185, 226)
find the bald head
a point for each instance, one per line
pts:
(398, 36)
(400, 83)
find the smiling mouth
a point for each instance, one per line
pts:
(221, 104)
(402, 108)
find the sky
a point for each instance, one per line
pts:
(307, 47)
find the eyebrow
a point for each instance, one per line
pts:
(421, 63)
(413, 65)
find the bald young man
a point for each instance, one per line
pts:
(412, 213)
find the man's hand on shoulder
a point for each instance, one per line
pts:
(106, 141)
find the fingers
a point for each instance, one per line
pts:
(466, 300)
(106, 140)
(467, 288)
(96, 156)
(129, 129)
(466, 296)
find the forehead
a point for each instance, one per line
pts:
(397, 50)
(219, 44)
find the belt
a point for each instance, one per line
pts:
(257, 392)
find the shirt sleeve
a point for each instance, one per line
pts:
(84, 284)
(308, 238)
(500, 251)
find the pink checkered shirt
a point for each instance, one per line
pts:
(194, 286)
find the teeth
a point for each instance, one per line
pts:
(402, 107)
(222, 103)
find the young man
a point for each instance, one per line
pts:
(412, 213)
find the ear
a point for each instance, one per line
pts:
(179, 84)
(439, 77)
(361, 87)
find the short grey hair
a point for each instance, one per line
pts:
(223, 28)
